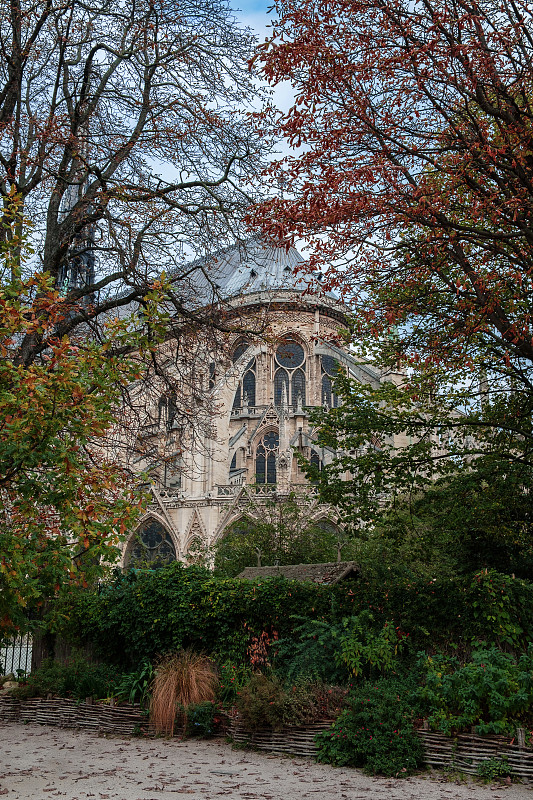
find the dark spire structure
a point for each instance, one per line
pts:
(80, 268)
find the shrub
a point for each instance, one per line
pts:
(376, 732)
(493, 691)
(266, 702)
(491, 768)
(311, 651)
(136, 686)
(140, 615)
(333, 652)
(202, 720)
(78, 678)
(232, 679)
(366, 648)
(183, 679)
(260, 701)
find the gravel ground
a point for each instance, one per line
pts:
(40, 762)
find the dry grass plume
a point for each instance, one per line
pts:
(181, 679)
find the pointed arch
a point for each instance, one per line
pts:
(151, 545)
(266, 453)
(195, 531)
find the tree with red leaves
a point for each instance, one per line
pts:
(415, 177)
(412, 177)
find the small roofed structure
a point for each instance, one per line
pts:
(326, 574)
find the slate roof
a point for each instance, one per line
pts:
(327, 573)
(255, 266)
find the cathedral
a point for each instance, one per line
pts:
(262, 394)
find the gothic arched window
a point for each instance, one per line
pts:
(298, 387)
(329, 367)
(315, 462)
(281, 382)
(290, 372)
(248, 386)
(241, 348)
(265, 458)
(151, 546)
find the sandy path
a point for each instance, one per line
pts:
(39, 762)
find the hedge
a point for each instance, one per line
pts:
(145, 613)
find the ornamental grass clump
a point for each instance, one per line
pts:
(181, 679)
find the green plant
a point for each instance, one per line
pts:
(78, 678)
(332, 651)
(491, 768)
(181, 679)
(135, 687)
(259, 702)
(311, 651)
(202, 720)
(232, 678)
(140, 615)
(365, 650)
(376, 731)
(266, 702)
(493, 691)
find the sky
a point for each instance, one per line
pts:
(254, 15)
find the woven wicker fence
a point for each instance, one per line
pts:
(462, 753)
(298, 741)
(124, 720)
(466, 752)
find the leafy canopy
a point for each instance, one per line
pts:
(278, 533)
(65, 499)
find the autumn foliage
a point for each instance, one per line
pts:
(414, 177)
(64, 500)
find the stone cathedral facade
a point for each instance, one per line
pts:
(262, 395)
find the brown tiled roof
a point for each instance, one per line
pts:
(330, 573)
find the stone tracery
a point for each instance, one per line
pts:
(264, 395)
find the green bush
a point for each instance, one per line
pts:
(334, 652)
(233, 678)
(202, 720)
(376, 731)
(143, 614)
(493, 692)
(311, 651)
(78, 678)
(265, 702)
(366, 650)
(491, 768)
(261, 701)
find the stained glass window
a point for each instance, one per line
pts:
(290, 354)
(329, 368)
(281, 379)
(298, 387)
(265, 458)
(330, 365)
(152, 546)
(290, 373)
(248, 380)
(239, 350)
(248, 387)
